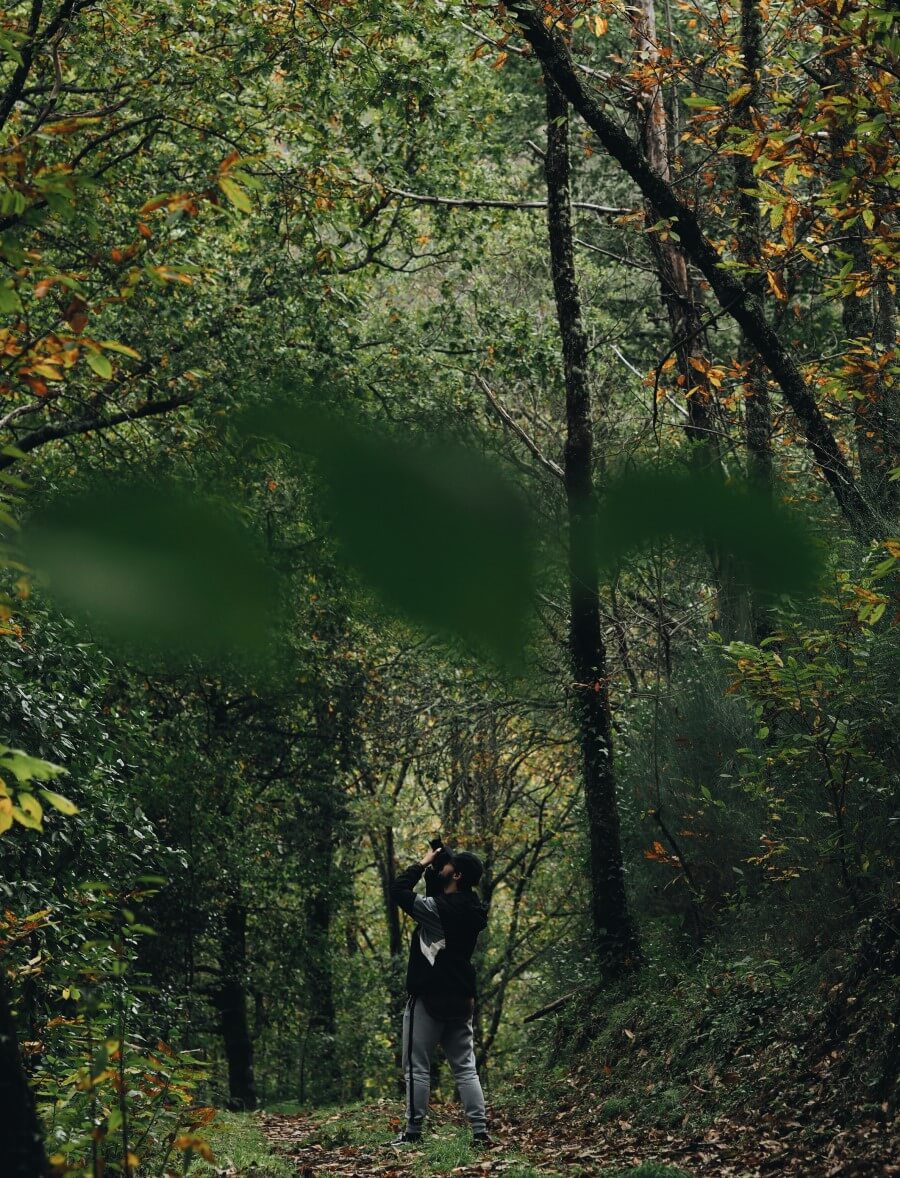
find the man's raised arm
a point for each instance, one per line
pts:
(421, 908)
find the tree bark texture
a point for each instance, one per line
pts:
(21, 1137)
(615, 934)
(732, 294)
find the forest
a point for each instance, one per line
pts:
(449, 420)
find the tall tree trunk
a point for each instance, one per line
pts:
(615, 935)
(396, 957)
(231, 1001)
(732, 294)
(869, 322)
(757, 409)
(679, 297)
(685, 312)
(21, 1138)
(869, 328)
(757, 419)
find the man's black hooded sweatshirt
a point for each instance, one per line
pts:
(456, 920)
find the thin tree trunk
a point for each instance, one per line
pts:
(757, 421)
(757, 409)
(320, 977)
(870, 331)
(396, 958)
(868, 315)
(231, 1002)
(615, 935)
(21, 1138)
(732, 294)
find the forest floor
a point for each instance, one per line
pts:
(569, 1143)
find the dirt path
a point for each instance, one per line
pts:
(349, 1142)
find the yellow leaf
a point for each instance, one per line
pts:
(112, 345)
(47, 369)
(235, 194)
(29, 811)
(6, 814)
(736, 95)
(59, 802)
(499, 60)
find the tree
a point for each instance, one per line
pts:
(733, 295)
(616, 937)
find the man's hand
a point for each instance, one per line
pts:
(429, 858)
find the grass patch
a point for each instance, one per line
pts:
(445, 1151)
(614, 1106)
(238, 1144)
(352, 1124)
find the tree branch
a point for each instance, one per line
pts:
(86, 425)
(547, 463)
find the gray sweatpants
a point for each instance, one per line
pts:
(421, 1035)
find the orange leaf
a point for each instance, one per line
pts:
(657, 851)
(76, 314)
(776, 286)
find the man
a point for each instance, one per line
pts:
(440, 981)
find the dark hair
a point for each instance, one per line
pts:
(469, 867)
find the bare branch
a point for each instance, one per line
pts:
(547, 463)
(475, 202)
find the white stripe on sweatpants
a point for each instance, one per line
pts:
(421, 1035)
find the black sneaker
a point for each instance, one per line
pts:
(482, 1141)
(405, 1138)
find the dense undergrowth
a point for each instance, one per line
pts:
(809, 1040)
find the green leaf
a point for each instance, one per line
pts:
(9, 298)
(876, 613)
(99, 363)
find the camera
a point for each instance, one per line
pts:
(434, 869)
